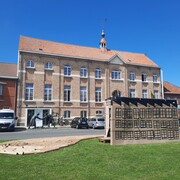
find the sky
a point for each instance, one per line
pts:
(144, 26)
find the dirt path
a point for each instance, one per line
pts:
(40, 145)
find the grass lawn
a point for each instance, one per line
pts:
(91, 160)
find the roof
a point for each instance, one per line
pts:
(69, 50)
(8, 70)
(171, 88)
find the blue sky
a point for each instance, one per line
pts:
(145, 26)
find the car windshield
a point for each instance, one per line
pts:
(6, 115)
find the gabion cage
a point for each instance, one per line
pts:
(132, 119)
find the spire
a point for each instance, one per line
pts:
(103, 42)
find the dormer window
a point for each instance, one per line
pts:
(30, 64)
(48, 65)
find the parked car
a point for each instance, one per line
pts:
(96, 122)
(79, 122)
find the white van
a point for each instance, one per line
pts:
(7, 120)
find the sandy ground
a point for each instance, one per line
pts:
(40, 145)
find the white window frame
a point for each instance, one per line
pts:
(83, 71)
(67, 70)
(67, 93)
(156, 94)
(144, 77)
(116, 74)
(30, 64)
(47, 92)
(29, 91)
(98, 94)
(48, 65)
(155, 77)
(144, 93)
(67, 114)
(83, 93)
(98, 73)
(132, 93)
(98, 112)
(83, 113)
(132, 76)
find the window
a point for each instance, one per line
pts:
(48, 65)
(98, 112)
(67, 70)
(98, 73)
(29, 91)
(156, 94)
(155, 77)
(98, 94)
(115, 74)
(48, 92)
(30, 64)
(83, 72)
(116, 93)
(83, 114)
(144, 93)
(83, 94)
(144, 77)
(67, 114)
(67, 93)
(132, 93)
(132, 76)
(1, 89)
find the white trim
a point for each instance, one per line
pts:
(39, 72)
(22, 71)
(9, 77)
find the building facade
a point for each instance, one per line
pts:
(8, 85)
(172, 91)
(72, 80)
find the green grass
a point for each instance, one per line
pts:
(90, 159)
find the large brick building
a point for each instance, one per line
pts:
(8, 85)
(74, 80)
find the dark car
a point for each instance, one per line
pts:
(79, 123)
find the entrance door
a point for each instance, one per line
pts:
(45, 112)
(30, 114)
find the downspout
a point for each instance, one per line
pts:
(162, 83)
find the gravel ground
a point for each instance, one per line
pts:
(40, 145)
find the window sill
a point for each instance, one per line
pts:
(29, 101)
(117, 79)
(67, 76)
(46, 69)
(32, 68)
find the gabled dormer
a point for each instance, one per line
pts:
(116, 59)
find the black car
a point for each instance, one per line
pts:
(79, 123)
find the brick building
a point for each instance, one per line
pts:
(8, 85)
(172, 91)
(74, 80)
